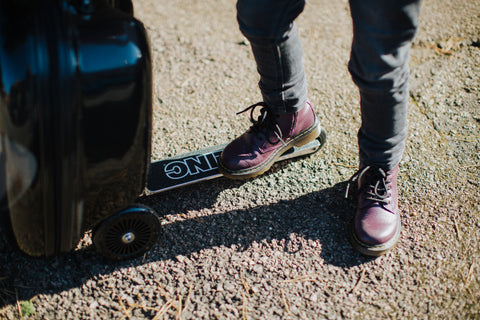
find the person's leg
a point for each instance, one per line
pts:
(270, 28)
(382, 35)
(286, 118)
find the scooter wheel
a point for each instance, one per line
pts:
(127, 234)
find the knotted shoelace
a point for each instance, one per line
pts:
(375, 184)
(265, 123)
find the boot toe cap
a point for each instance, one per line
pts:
(377, 226)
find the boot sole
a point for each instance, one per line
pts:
(305, 137)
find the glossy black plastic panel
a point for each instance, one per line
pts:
(75, 118)
(114, 62)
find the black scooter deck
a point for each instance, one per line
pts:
(201, 165)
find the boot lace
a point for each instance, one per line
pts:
(265, 123)
(375, 184)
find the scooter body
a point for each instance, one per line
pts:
(75, 129)
(75, 118)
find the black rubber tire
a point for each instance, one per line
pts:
(127, 234)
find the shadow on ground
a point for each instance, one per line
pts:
(322, 216)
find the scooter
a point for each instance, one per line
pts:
(75, 129)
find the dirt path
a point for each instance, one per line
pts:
(276, 247)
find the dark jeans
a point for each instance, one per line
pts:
(382, 35)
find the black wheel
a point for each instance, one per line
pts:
(127, 234)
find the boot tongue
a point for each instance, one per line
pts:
(286, 123)
(373, 181)
(266, 127)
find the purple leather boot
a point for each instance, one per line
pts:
(376, 225)
(255, 151)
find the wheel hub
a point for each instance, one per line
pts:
(128, 237)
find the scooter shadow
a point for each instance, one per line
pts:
(321, 216)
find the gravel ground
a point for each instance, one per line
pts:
(275, 247)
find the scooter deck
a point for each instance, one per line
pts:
(201, 165)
